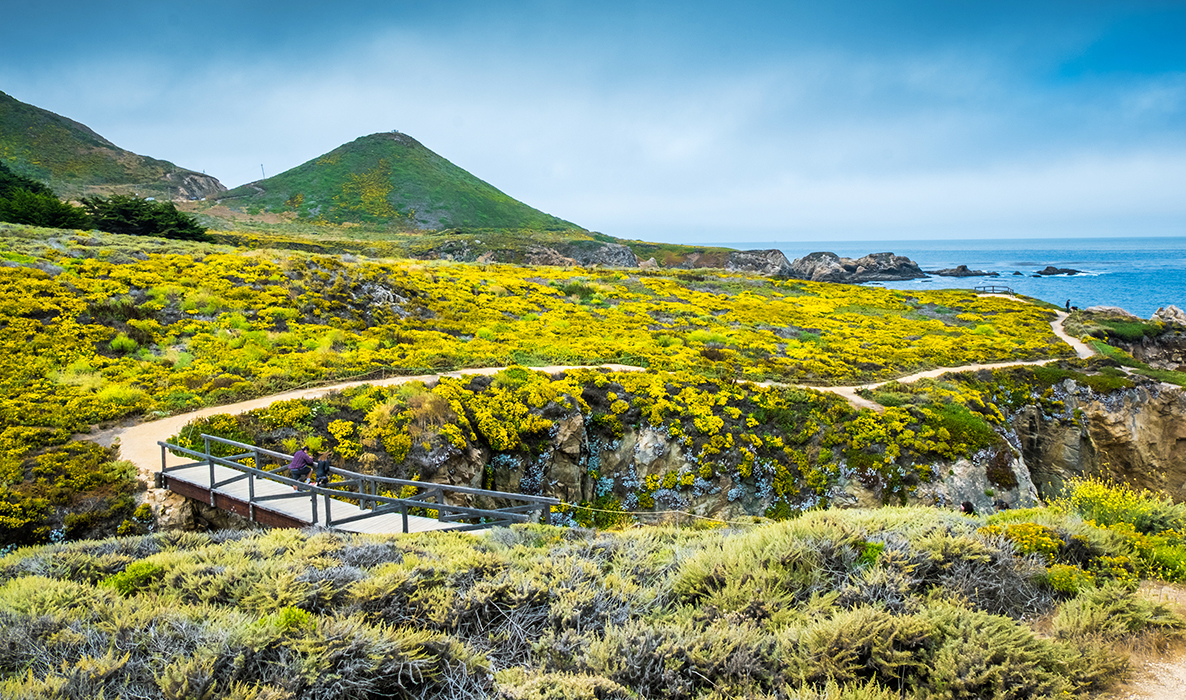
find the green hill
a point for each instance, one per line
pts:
(388, 178)
(75, 161)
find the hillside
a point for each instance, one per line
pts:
(388, 178)
(75, 161)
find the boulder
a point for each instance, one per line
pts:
(764, 262)
(875, 267)
(589, 253)
(1112, 312)
(1170, 315)
(1052, 270)
(962, 271)
(819, 267)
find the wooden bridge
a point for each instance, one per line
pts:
(993, 289)
(355, 502)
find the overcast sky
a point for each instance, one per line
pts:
(686, 122)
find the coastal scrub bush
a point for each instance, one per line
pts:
(1113, 612)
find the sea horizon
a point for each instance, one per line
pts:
(1138, 274)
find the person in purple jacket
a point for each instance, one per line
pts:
(301, 464)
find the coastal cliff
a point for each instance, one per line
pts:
(1136, 435)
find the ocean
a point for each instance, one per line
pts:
(1136, 274)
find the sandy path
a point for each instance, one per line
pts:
(1156, 675)
(850, 392)
(138, 442)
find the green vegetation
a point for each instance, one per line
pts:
(879, 604)
(389, 179)
(10, 183)
(99, 327)
(74, 160)
(38, 209)
(134, 216)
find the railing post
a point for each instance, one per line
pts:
(328, 518)
(547, 514)
(439, 494)
(210, 461)
(313, 500)
(250, 496)
(403, 510)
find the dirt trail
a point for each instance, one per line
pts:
(1156, 675)
(850, 392)
(138, 442)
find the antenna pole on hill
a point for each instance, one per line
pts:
(261, 172)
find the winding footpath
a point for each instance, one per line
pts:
(138, 443)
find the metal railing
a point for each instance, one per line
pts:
(993, 289)
(370, 492)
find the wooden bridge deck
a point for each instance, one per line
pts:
(291, 508)
(345, 500)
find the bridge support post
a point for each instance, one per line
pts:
(211, 463)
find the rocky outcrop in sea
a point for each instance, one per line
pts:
(875, 267)
(962, 271)
(1052, 270)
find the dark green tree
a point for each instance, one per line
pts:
(121, 213)
(10, 182)
(41, 209)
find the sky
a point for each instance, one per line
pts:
(689, 122)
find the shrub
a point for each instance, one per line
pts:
(1109, 503)
(138, 576)
(140, 217)
(1068, 579)
(123, 344)
(41, 209)
(1113, 612)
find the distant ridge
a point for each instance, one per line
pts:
(74, 160)
(389, 178)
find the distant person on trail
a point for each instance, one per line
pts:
(301, 464)
(1068, 304)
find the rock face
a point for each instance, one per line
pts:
(565, 470)
(764, 262)
(584, 253)
(875, 267)
(962, 271)
(599, 253)
(1166, 351)
(1112, 312)
(1136, 435)
(1170, 315)
(190, 185)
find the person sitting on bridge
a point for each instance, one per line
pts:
(301, 464)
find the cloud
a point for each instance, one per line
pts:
(682, 127)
